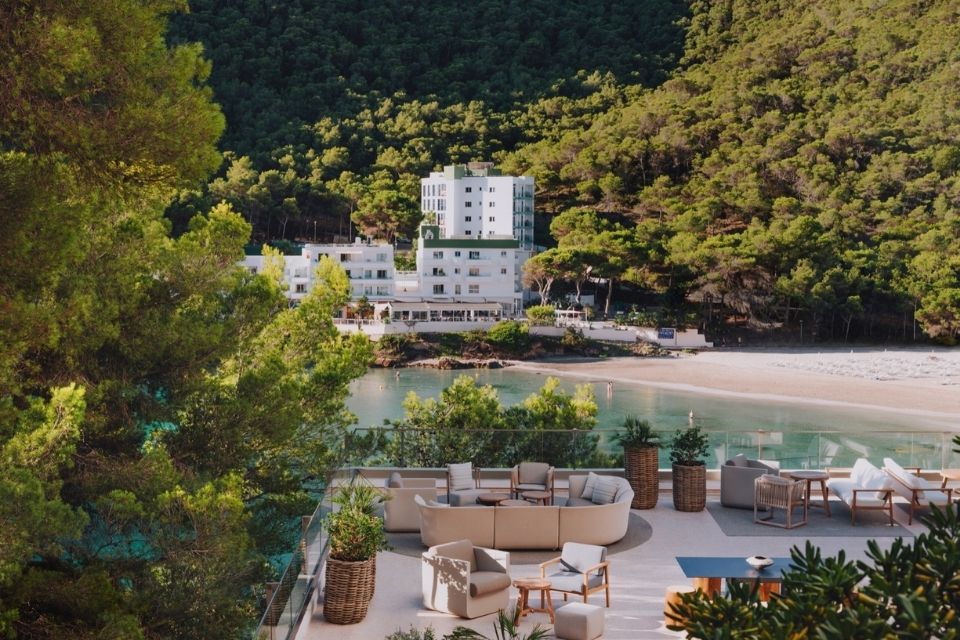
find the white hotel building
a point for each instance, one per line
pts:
(469, 262)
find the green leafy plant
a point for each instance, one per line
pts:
(541, 314)
(355, 532)
(509, 334)
(503, 629)
(689, 447)
(637, 434)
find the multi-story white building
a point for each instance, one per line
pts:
(369, 267)
(475, 201)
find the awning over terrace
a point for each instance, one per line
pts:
(444, 310)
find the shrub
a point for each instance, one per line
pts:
(689, 447)
(541, 314)
(509, 334)
(637, 434)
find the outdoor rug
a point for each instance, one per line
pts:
(870, 524)
(638, 532)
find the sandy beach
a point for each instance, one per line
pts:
(924, 382)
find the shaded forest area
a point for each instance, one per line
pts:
(770, 163)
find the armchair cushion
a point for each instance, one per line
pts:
(460, 476)
(395, 481)
(737, 476)
(533, 473)
(482, 582)
(739, 460)
(577, 557)
(569, 581)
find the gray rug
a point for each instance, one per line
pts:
(870, 524)
(638, 532)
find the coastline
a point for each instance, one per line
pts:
(920, 382)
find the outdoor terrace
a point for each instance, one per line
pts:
(641, 570)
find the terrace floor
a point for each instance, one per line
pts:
(639, 577)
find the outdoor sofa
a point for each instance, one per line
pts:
(580, 519)
(400, 512)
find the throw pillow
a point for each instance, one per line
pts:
(604, 491)
(739, 460)
(434, 503)
(587, 493)
(461, 476)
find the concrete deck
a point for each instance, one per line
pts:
(639, 578)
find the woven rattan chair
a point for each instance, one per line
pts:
(772, 492)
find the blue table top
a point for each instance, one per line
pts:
(729, 567)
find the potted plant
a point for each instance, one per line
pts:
(687, 453)
(356, 535)
(641, 464)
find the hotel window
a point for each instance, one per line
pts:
(438, 255)
(439, 272)
(491, 189)
(503, 254)
(474, 271)
(456, 271)
(368, 291)
(347, 271)
(468, 218)
(468, 204)
(491, 203)
(493, 218)
(383, 291)
(437, 289)
(468, 232)
(381, 257)
(301, 288)
(456, 254)
(473, 255)
(381, 274)
(503, 271)
(469, 189)
(473, 288)
(456, 289)
(367, 274)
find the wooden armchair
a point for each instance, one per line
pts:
(531, 476)
(584, 570)
(920, 492)
(773, 492)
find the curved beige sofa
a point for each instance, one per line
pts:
(533, 527)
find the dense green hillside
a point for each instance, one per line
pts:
(280, 65)
(802, 165)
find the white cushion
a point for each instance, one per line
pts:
(576, 556)
(461, 476)
(876, 479)
(931, 492)
(604, 491)
(587, 492)
(860, 467)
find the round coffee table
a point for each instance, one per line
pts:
(492, 499)
(526, 585)
(538, 497)
(514, 503)
(810, 477)
(948, 475)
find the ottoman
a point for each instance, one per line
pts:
(579, 621)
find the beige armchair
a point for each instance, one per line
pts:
(400, 511)
(465, 580)
(773, 492)
(737, 476)
(583, 569)
(531, 476)
(463, 484)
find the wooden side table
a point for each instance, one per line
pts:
(526, 585)
(948, 475)
(810, 477)
(537, 497)
(492, 499)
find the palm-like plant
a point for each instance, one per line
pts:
(503, 629)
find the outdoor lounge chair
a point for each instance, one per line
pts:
(737, 477)
(465, 580)
(773, 492)
(866, 488)
(584, 569)
(531, 476)
(463, 484)
(920, 492)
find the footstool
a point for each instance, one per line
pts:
(579, 621)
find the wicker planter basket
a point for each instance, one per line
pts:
(348, 590)
(641, 467)
(689, 487)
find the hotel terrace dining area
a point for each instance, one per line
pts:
(649, 556)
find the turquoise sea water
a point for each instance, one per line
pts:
(798, 434)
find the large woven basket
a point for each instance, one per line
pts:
(348, 590)
(641, 466)
(689, 487)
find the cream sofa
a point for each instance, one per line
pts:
(400, 512)
(533, 527)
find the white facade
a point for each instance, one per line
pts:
(369, 268)
(463, 270)
(475, 202)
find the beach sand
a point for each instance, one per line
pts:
(924, 382)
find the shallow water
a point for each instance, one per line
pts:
(798, 434)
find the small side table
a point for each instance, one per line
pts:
(492, 499)
(948, 475)
(526, 585)
(810, 477)
(537, 497)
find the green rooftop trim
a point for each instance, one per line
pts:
(464, 243)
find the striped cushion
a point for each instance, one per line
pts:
(587, 492)
(461, 476)
(604, 491)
